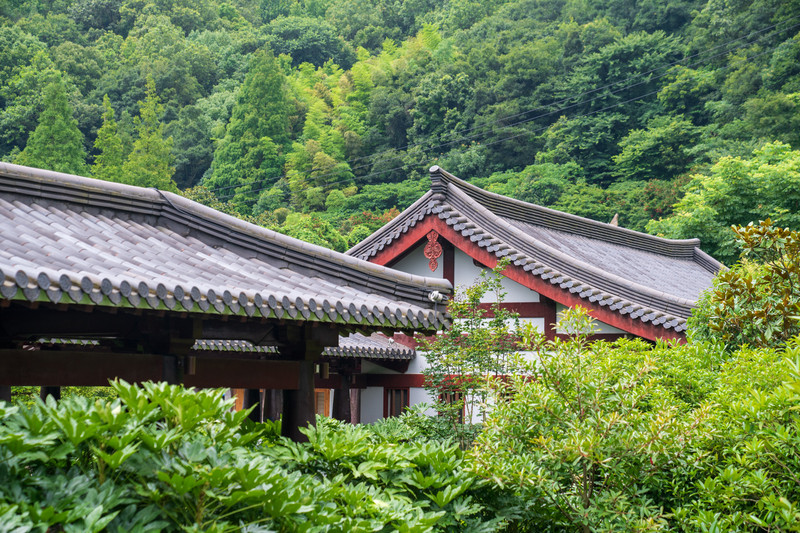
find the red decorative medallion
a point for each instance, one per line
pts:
(433, 250)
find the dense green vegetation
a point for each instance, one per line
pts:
(163, 458)
(602, 437)
(311, 113)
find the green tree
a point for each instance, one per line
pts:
(662, 151)
(251, 152)
(150, 162)
(737, 191)
(193, 148)
(479, 346)
(111, 153)
(57, 143)
(22, 99)
(309, 40)
(757, 302)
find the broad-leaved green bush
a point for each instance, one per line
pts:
(629, 436)
(757, 302)
(163, 458)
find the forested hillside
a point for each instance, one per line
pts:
(319, 118)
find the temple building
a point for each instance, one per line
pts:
(634, 284)
(101, 280)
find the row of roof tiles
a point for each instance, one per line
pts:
(372, 347)
(76, 240)
(642, 276)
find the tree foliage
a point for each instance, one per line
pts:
(559, 98)
(736, 192)
(150, 161)
(478, 347)
(56, 143)
(251, 152)
(111, 155)
(757, 302)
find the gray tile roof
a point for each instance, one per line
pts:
(645, 277)
(74, 240)
(355, 345)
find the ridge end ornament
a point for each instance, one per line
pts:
(433, 250)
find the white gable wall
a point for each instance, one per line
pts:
(466, 274)
(415, 263)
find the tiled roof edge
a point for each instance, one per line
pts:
(536, 214)
(580, 266)
(67, 187)
(343, 350)
(369, 246)
(707, 262)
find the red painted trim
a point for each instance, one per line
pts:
(550, 321)
(386, 392)
(518, 274)
(448, 261)
(393, 381)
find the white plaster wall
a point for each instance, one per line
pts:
(538, 323)
(418, 395)
(371, 404)
(416, 263)
(599, 327)
(368, 367)
(467, 274)
(418, 364)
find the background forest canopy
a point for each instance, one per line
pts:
(319, 118)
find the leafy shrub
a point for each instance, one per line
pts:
(587, 434)
(744, 474)
(757, 302)
(479, 345)
(638, 437)
(163, 458)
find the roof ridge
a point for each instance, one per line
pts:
(559, 220)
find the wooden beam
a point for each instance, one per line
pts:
(73, 367)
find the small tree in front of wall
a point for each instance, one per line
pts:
(479, 347)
